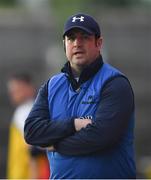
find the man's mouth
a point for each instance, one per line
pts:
(78, 53)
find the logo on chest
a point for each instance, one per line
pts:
(90, 100)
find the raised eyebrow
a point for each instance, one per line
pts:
(71, 35)
(86, 34)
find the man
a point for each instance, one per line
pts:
(84, 116)
(23, 160)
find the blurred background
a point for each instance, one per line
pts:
(31, 42)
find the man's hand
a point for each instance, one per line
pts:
(81, 123)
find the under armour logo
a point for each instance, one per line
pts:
(78, 18)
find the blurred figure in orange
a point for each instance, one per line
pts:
(24, 161)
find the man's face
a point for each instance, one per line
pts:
(81, 48)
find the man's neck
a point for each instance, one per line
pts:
(76, 71)
(84, 74)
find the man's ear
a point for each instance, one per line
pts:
(99, 42)
(64, 46)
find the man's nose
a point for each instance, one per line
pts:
(78, 41)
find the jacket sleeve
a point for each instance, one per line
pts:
(39, 129)
(112, 115)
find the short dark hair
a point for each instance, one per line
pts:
(22, 77)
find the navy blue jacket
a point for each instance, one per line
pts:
(112, 117)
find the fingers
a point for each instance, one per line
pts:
(81, 123)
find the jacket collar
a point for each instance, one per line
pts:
(87, 73)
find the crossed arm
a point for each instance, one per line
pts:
(76, 136)
(40, 130)
(78, 124)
